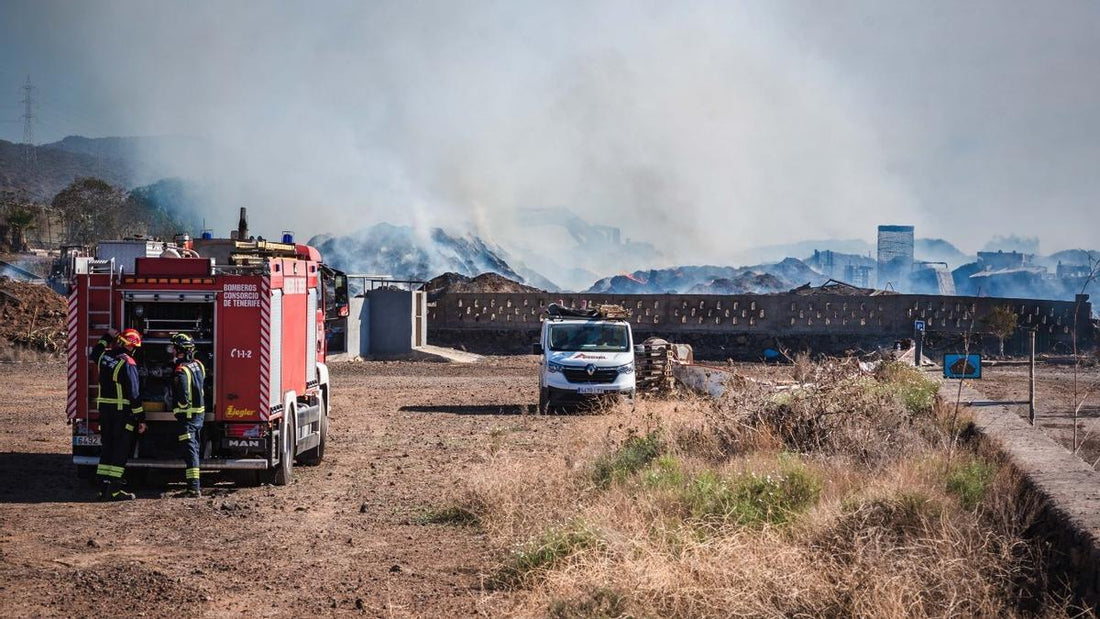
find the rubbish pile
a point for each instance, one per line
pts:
(31, 316)
(486, 282)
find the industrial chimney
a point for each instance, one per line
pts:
(242, 225)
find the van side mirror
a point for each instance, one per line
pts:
(536, 349)
(639, 349)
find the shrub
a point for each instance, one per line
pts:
(970, 480)
(636, 452)
(845, 412)
(530, 561)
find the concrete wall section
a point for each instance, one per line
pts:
(391, 321)
(742, 323)
(358, 327)
(1069, 489)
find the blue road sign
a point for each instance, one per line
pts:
(962, 366)
(918, 325)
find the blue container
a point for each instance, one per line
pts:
(288, 236)
(207, 234)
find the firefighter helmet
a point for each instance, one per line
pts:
(130, 337)
(183, 342)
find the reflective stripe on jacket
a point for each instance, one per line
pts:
(187, 386)
(118, 379)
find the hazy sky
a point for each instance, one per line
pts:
(706, 127)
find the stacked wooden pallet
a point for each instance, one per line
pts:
(653, 367)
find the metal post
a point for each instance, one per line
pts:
(1031, 378)
(918, 350)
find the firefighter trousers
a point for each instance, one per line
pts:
(189, 439)
(116, 429)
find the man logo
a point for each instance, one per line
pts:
(245, 443)
(590, 369)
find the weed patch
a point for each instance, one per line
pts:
(751, 499)
(915, 391)
(666, 472)
(636, 452)
(970, 479)
(531, 560)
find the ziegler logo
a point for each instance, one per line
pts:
(232, 412)
(244, 442)
(581, 355)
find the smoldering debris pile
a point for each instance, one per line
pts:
(486, 282)
(31, 316)
(742, 283)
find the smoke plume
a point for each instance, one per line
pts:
(703, 128)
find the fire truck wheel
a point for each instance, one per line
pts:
(314, 456)
(283, 473)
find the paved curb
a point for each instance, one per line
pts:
(1069, 488)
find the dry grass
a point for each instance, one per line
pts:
(837, 498)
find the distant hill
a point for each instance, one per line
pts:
(140, 158)
(53, 170)
(124, 162)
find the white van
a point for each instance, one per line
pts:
(584, 355)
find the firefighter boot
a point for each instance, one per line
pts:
(122, 495)
(193, 490)
(104, 489)
(115, 492)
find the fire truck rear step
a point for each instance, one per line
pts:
(211, 464)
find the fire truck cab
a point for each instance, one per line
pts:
(256, 311)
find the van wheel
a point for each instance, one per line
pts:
(544, 401)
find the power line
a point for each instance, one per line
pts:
(29, 154)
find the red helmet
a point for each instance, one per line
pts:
(130, 337)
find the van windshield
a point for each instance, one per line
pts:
(599, 337)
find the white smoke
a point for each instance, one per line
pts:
(704, 128)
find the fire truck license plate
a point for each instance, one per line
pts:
(93, 440)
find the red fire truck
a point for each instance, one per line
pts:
(256, 310)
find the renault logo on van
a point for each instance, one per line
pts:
(590, 369)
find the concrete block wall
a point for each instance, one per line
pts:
(733, 322)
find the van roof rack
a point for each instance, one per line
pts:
(600, 312)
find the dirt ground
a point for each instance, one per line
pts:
(1054, 400)
(344, 538)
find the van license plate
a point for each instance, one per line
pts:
(591, 390)
(91, 440)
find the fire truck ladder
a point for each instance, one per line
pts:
(96, 270)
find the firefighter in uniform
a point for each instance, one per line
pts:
(120, 412)
(187, 404)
